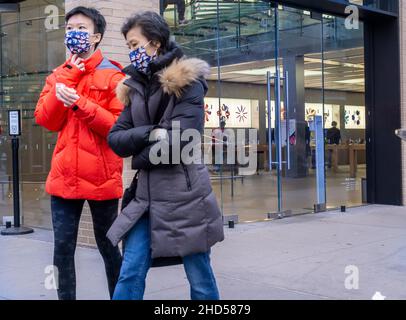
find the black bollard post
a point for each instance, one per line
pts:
(14, 132)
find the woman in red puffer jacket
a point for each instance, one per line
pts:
(79, 102)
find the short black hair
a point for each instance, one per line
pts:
(92, 13)
(153, 27)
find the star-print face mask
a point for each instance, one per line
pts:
(140, 58)
(78, 41)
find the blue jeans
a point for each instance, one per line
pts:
(137, 261)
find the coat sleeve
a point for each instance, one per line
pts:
(68, 74)
(50, 113)
(124, 139)
(189, 112)
(99, 119)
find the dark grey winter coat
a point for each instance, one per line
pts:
(184, 214)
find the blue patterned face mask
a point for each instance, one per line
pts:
(77, 41)
(140, 58)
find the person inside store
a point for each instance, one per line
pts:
(333, 137)
(79, 102)
(219, 144)
(308, 138)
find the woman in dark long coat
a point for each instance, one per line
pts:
(174, 212)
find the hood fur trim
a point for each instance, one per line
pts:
(123, 92)
(182, 73)
(178, 75)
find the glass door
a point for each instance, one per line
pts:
(298, 157)
(236, 107)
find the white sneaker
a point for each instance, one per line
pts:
(401, 133)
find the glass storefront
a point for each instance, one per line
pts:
(29, 52)
(303, 64)
(294, 63)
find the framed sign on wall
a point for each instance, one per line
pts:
(236, 113)
(331, 113)
(354, 117)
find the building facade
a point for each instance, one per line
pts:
(402, 36)
(298, 59)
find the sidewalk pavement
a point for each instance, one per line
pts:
(302, 257)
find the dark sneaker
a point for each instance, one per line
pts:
(183, 22)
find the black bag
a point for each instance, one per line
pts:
(129, 193)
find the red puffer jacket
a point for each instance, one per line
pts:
(83, 165)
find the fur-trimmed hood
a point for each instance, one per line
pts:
(173, 78)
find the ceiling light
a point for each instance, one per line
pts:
(313, 73)
(255, 72)
(359, 81)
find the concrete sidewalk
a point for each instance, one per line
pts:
(302, 257)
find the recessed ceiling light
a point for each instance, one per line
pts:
(312, 73)
(359, 81)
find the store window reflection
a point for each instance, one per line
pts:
(29, 53)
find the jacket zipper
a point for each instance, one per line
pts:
(146, 100)
(104, 163)
(189, 185)
(146, 97)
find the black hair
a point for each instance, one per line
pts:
(153, 27)
(92, 13)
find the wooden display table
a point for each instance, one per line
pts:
(353, 155)
(335, 148)
(353, 150)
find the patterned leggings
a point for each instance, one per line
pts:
(65, 218)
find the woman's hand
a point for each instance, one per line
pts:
(78, 62)
(158, 134)
(66, 95)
